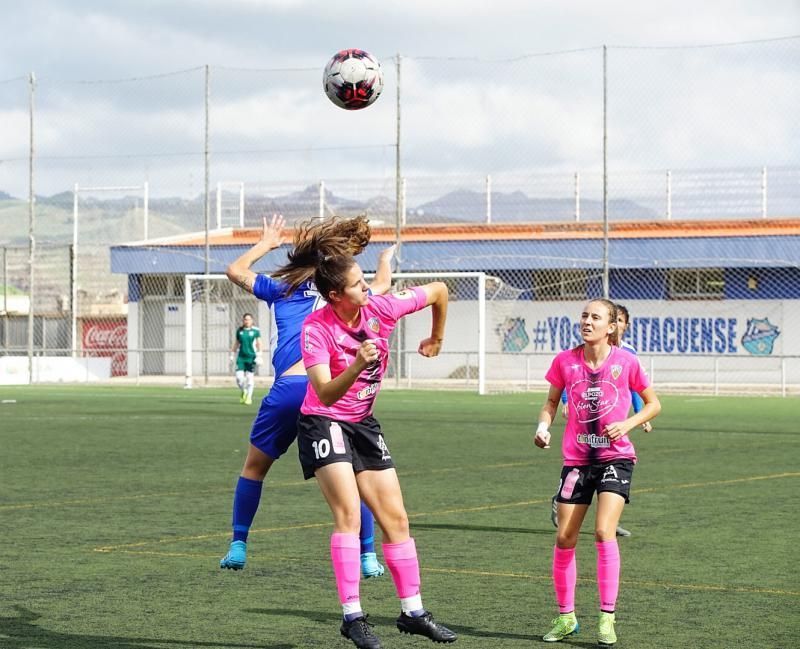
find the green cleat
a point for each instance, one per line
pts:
(605, 634)
(242, 396)
(564, 625)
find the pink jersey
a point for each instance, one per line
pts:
(327, 340)
(596, 397)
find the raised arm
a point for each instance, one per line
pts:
(382, 281)
(436, 295)
(239, 271)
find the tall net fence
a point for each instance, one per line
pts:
(666, 178)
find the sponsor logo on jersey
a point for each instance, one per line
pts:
(595, 441)
(307, 344)
(368, 391)
(405, 294)
(593, 399)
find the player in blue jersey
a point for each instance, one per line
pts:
(246, 353)
(623, 320)
(292, 296)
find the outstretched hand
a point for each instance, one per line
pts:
(271, 232)
(387, 254)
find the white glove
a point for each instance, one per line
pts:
(259, 359)
(232, 358)
(542, 437)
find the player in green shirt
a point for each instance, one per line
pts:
(247, 350)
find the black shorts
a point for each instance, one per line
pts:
(578, 483)
(322, 441)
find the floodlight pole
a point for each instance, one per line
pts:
(207, 214)
(605, 173)
(398, 217)
(73, 274)
(31, 229)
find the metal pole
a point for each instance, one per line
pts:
(577, 197)
(482, 334)
(31, 229)
(398, 176)
(398, 184)
(73, 274)
(5, 298)
(241, 205)
(763, 192)
(146, 207)
(219, 206)
(669, 195)
(488, 198)
(605, 172)
(403, 210)
(207, 213)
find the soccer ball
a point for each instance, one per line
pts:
(353, 79)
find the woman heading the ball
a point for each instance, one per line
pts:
(599, 378)
(291, 294)
(345, 350)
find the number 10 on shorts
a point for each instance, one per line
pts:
(337, 439)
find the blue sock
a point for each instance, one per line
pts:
(245, 504)
(367, 533)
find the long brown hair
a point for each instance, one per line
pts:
(317, 241)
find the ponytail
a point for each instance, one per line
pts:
(318, 242)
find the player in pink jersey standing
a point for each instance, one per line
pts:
(598, 377)
(345, 351)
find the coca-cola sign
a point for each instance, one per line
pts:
(108, 337)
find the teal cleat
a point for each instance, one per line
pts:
(370, 567)
(236, 557)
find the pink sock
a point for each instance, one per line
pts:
(608, 564)
(345, 554)
(565, 574)
(404, 566)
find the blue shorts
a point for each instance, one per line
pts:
(275, 426)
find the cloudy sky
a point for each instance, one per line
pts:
(486, 87)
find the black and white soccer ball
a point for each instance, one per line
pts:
(353, 79)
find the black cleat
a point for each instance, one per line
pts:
(360, 632)
(427, 626)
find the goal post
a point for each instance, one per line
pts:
(465, 333)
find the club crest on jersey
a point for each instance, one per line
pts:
(616, 370)
(405, 294)
(374, 325)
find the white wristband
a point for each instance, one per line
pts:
(541, 428)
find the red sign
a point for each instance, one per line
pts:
(108, 337)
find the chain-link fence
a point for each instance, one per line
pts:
(666, 178)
